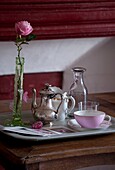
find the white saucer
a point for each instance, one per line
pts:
(75, 125)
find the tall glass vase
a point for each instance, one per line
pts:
(18, 93)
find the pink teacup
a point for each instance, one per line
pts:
(90, 118)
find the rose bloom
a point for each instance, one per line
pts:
(23, 28)
(37, 125)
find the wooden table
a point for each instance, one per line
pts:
(69, 154)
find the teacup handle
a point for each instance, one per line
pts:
(69, 109)
(108, 118)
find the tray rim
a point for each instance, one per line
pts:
(63, 136)
(74, 134)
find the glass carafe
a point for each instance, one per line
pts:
(78, 88)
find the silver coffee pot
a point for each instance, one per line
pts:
(45, 111)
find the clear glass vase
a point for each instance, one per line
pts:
(18, 93)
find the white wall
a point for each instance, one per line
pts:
(95, 54)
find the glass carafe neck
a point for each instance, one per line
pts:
(78, 74)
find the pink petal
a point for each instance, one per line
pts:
(25, 97)
(37, 125)
(23, 28)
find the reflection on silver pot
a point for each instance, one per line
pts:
(46, 112)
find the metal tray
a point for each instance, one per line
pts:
(60, 130)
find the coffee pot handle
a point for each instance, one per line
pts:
(71, 107)
(60, 101)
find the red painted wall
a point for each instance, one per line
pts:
(36, 80)
(52, 19)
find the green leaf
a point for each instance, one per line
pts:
(24, 43)
(30, 37)
(18, 39)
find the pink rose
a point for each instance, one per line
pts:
(37, 125)
(23, 28)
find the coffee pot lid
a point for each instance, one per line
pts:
(47, 90)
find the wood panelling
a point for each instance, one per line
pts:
(36, 80)
(59, 18)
